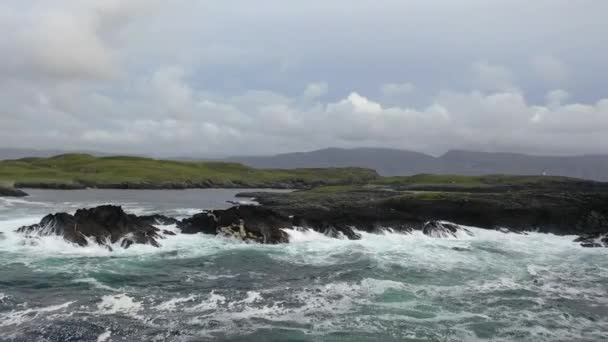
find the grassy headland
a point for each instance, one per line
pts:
(82, 170)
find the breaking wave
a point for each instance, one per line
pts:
(386, 286)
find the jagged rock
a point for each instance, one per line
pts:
(338, 232)
(438, 229)
(60, 224)
(246, 222)
(104, 225)
(253, 223)
(157, 219)
(205, 223)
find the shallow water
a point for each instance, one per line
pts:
(388, 287)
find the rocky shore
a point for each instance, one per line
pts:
(341, 214)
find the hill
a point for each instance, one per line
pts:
(82, 170)
(391, 162)
(17, 153)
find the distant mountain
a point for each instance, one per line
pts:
(18, 153)
(392, 162)
(385, 161)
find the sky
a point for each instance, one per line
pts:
(242, 77)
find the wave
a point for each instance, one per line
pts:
(308, 243)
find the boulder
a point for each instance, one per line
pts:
(253, 223)
(440, 229)
(105, 225)
(245, 222)
(205, 223)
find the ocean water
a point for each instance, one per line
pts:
(384, 287)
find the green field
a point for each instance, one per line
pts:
(82, 170)
(86, 170)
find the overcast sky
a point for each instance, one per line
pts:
(237, 77)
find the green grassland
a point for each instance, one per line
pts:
(85, 170)
(82, 170)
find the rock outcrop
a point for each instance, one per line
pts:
(105, 225)
(371, 209)
(439, 229)
(248, 223)
(11, 192)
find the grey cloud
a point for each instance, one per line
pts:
(243, 77)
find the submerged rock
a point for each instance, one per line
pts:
(438, 229)
(105, 225)
(593, 240)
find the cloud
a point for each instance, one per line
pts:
(492, 77)
(550, 69)
(397, 89)
(315, 90)
(211, 77)
(74, 41)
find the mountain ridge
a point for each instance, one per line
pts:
(395, 162)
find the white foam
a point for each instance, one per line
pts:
(212, 302)
(298, 234)
(119, 304)
(104, 336)
(172, 304)
(27, 315)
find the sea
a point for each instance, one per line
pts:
(385, 287)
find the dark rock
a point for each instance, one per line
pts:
(460, 249)
(587, 244)
(168, 232)
(546, 211)
(253, 223)
(336, 231)
(157, 219)
(438, 229)
(60, 224)
(593, 240)
(12, 192)
(246, 222)
(104, 225)
(511, 231)
(57, 186)
(205, 223)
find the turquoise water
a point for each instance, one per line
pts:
(385, 287)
